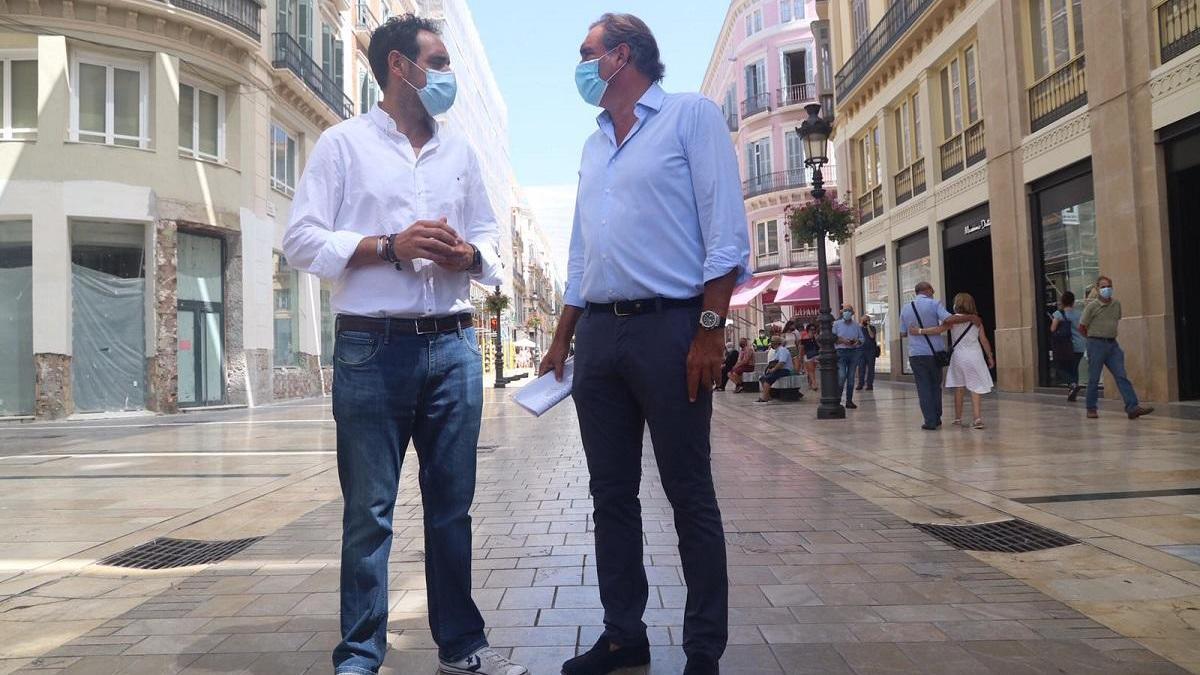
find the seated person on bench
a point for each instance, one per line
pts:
(779, 367)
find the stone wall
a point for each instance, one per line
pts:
(259, 375)
(236, 381)
(53, 398)
(162, 368)
(303, 381)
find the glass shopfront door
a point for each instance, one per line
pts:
(873, 267)
(201, 316)
(912, 258)
(1066, 254)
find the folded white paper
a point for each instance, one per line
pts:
(545, 392)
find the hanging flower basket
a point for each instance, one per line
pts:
(820, 218)
(496, 303)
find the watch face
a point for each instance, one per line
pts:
(710, 319)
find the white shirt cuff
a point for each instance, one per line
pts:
(335, 254)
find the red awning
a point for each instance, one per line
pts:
(746, 293)
(798, 289)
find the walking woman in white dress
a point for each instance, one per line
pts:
(970, 360)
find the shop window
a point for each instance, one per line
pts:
(16, 318)
(287, 313)
(328, 319)
(875, 302)
(1067, 251)
(108, 290)
(912, 259)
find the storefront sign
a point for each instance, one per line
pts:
(967, 227)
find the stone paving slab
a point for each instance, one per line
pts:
(823, 581)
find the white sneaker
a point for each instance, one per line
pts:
(486, 661)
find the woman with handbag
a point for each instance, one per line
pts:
(970, 360)
(1067, 344)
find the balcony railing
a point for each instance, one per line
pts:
(896, 21)
(755, 104)
(1057, 94)
(796, 94)
(963, 150)
(765, 262)
(804, 256)
(910, 182)
(870, 205)
(1178, 27)
(289, 54)
(770, 182)
(366, 20)
(242, 15)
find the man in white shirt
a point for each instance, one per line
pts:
(392, 209)
(779, 366)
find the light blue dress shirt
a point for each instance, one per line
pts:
(933, 313)
(848, 330)
(661, 214)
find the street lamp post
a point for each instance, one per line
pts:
(814, 132)
(500, 380)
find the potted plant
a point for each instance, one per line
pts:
(496, 302)
(820, 218)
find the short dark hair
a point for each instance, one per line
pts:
(643, 48)
(397, 34)
(1068, 299)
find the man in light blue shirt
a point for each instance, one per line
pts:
(925, 312)
(849, 341)
(659, 242)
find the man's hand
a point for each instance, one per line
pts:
(554, 359)
(430, 239)
(914, 329)
(704, 361)
(461, 259)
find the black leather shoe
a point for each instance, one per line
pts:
(603, 659)
(700, 665)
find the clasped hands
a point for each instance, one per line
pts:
(436, 241)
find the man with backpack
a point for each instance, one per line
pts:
(1067, 344)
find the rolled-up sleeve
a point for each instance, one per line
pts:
(482, 229)
(311, 242)
(718, 189)
(573, 294)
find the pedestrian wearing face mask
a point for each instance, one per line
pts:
(659, 242)
(1099, 325)
(849, 343)
(392, 209)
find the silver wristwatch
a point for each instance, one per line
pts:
(710, 320)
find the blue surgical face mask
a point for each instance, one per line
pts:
(439, 91)
(588, 81)
(1106, 293)
(847, 314)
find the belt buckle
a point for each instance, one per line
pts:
(417, 323)
(617, 311)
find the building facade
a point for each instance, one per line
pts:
(148, 157)
(1015, 149)
(773, 57)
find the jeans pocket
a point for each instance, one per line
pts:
(355, 348)
(471, 341)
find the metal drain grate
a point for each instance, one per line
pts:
(165, 553)
(1005, 536)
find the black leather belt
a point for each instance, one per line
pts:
(397, 326)
(646, 306)
(1102, 339)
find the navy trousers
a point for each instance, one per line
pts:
(631, 372)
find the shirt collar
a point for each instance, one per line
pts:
(384, 121)
(652, 99)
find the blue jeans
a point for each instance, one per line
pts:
(847, 366)
(1104, 353)
(388, 389)
(928, 376)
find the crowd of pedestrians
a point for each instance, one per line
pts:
(947, 350)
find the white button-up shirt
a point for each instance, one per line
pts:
(364, 179)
